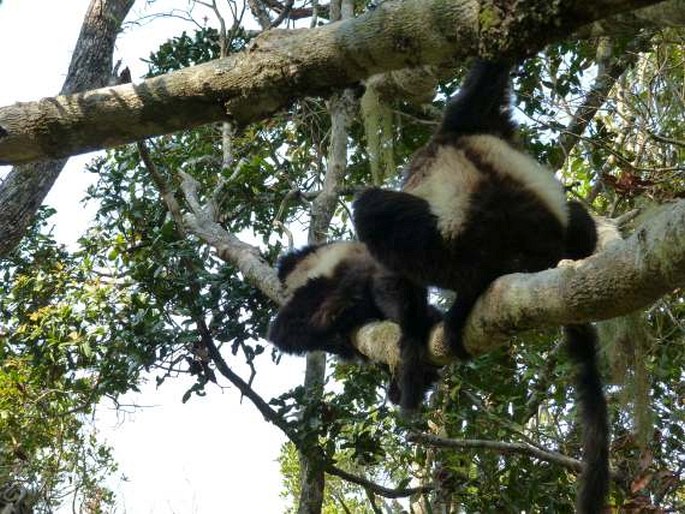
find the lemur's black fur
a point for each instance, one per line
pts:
(334, 289)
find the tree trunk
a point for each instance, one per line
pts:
(24, 189)
(312, 476)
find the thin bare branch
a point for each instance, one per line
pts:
(377, 489)
(499, 447)
(667, 140)
(610, 68)
(506, 448)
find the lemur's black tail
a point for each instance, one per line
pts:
(581, 341)
(581, 233)
(482, 105)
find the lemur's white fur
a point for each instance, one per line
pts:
(450, 178)
(323, 261)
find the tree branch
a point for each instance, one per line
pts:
(285, 64)
(168, 196)
(260, 13)
(499, 447)
(230, 248)
(502, 447)
(376, 488)
(663, 14)
(609, 71)
(245, 390)
(341, 107)
(203, 330)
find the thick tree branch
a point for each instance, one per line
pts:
(626, 276)
(660, 15)
(282, 65)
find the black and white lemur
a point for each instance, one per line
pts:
(333, 289)
(474, 207)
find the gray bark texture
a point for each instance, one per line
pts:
(285, 64)
(25, 188)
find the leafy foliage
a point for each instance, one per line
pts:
(55, 364)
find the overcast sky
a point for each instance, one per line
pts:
(214, 454)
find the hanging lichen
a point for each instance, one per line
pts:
(378, 128)
(627, 344)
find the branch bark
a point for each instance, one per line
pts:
(25, 188)
(663, 14)
(284, 64)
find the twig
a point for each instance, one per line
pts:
(610, 69)
(505, 448)
(376, 488)
(165, 192)
(667, 140)
(244, 388)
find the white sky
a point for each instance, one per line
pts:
(213, 454)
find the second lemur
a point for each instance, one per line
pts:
(336, 288)
(474, 207)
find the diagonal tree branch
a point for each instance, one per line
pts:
(371, 486)
(610, 69)
(195, 292)
(201, 222)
